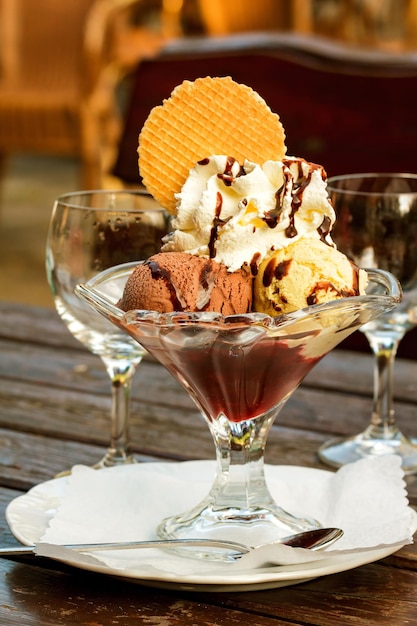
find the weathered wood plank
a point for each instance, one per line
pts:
(353, 372)
(84, 372)
(54, 408)
(340, 370)
(159, 429)
(356, 597)
(35, 325)
(34, 596)
(308, 408)
(360, 596)
(6, 496)
(27, 460)
(68, 413)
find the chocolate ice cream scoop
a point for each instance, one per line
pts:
(178, 281)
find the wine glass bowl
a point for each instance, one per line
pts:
(376, 226)
(240, 370)
(89, 234)
(376, 223)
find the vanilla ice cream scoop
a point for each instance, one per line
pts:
(305, 273)
(237, 214)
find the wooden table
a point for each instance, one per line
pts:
(54, 412)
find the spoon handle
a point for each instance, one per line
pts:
(239, 548)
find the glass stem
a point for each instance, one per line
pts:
(384, 347)
(121, 375)
(240, 480)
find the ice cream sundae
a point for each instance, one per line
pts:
(225, 305)
(248, 236)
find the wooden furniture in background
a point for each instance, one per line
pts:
(224, 18)
(59, 64)
(382, 24)
(379, 24)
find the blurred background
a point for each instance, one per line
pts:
(78, 78)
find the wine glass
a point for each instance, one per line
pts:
(240, 370)
(89, 232)
(376, 226)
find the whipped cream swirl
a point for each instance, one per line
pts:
(237, 214)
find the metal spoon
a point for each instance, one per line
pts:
(311, 539)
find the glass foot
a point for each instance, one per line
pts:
(252, 526)
(108, 460)
(340, 451)
(111, 460)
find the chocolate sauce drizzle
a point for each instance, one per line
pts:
(161, 273)
(325, 285)
(272, 218)
(227, 177)
(254, 263)
(217, 223)
(275, 270)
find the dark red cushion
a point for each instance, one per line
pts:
(347, 123)
(344, 114)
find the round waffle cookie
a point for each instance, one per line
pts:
(202, 118)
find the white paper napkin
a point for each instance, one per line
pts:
(367, 499)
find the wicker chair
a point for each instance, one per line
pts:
(224, 18)
(59, 63)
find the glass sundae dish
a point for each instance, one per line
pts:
(247, 294)
(240, 370)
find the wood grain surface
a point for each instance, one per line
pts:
(54, 412)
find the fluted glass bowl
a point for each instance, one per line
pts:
(240, 370)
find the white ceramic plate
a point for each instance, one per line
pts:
(28, 517)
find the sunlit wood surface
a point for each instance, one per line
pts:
(54, 403)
